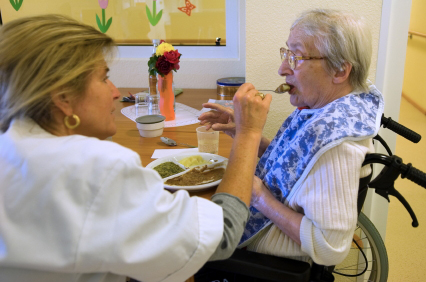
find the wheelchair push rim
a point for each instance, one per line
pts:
(352, 268)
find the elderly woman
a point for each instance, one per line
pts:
(77, 208)
(304, 202)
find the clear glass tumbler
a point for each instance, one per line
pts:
(140, 99)
(153, 105)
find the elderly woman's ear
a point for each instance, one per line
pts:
(341, 75)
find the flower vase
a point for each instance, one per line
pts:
(167, 96)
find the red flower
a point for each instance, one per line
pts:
(163, 66)
(172, 56)
(162, 62)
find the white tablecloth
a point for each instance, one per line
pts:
(185, 115)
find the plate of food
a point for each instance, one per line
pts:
(190, 171)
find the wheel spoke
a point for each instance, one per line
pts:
(371, 244)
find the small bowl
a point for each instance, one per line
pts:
(150, 125)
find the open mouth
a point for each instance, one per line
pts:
(291, 88)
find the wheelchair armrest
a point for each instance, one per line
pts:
(263, 266)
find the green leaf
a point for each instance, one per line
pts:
(149, 15)
(12, 2)
(152, 61)
(98, 20)
(108, 24)
(16, 5)
(157, 18)
(19, 4)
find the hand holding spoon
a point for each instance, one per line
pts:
(172, 142)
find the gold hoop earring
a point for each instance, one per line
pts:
(70, 126)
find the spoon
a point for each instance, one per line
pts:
(280, 89)
(172, 142)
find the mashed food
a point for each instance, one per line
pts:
(167, 169)
(193, 161)
(197, 176)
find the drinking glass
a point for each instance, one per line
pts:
(153, 107)
(208, 140)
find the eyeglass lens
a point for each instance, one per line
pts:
(285, 55)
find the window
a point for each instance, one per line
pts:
(230, 50)
(193, 26)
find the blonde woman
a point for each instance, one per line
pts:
(76, 208)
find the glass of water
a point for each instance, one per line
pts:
(153, 104)
(140, 99)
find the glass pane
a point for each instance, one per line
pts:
(137, 22)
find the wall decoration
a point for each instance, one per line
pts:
(16, 4)
(153, 17)
(103, 27)
(188, 7)
(136, 22)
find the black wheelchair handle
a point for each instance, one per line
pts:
(400, 129)
(415, 175)
(407, 170)
(384, 183)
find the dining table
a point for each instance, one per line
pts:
(128, 135)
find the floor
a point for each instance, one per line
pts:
(406, 245)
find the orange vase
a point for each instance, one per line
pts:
(167, 96)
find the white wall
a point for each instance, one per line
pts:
(389, 79)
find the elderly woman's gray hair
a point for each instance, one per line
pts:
(341, 37)
(42, 56)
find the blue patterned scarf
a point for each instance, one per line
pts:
(304, 136)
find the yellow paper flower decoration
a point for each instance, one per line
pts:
(164, 47)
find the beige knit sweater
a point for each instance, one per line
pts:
(328, 199)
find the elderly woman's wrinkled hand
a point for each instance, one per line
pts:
(249, 114)
(220, 118)
(250, 110)
(259, 192)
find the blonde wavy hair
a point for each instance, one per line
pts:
(341, 37)
(43, 56)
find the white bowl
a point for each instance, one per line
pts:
(150, 125)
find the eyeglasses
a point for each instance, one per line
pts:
(292, 59)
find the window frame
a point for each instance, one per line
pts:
(230, 51)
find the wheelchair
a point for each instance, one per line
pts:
(367, 259)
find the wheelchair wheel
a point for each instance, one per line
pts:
(353, 268)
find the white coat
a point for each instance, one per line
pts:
(75, 208)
